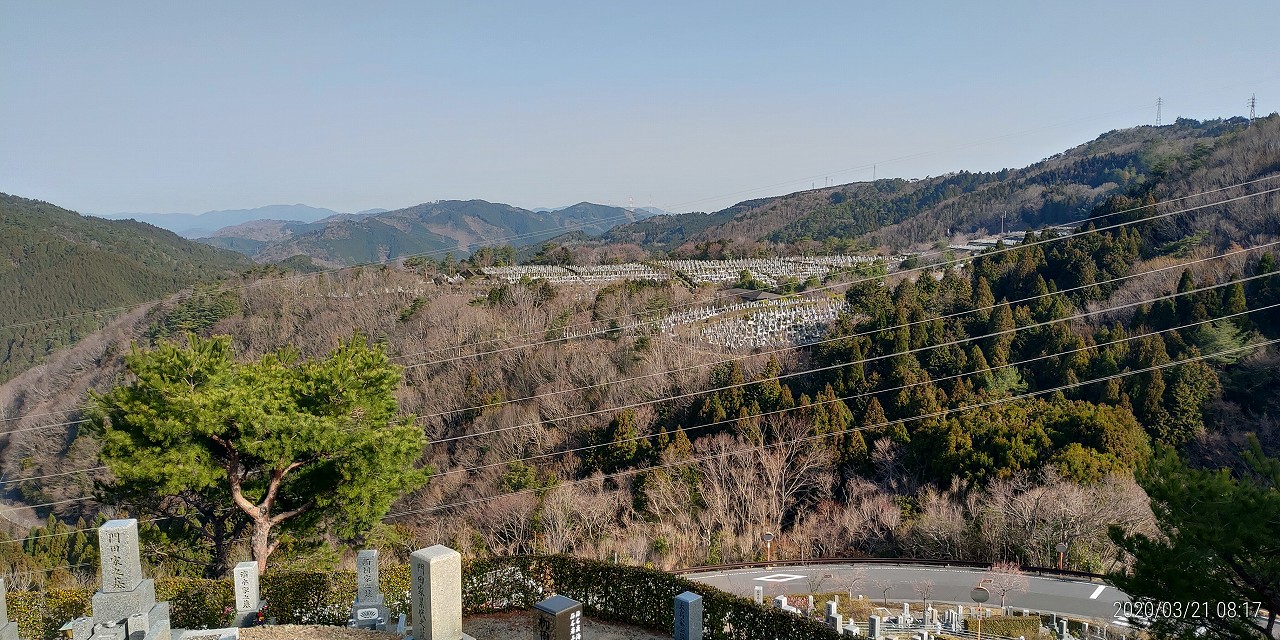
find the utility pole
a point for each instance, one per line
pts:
(1159, 103)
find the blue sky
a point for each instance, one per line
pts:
(164, 106)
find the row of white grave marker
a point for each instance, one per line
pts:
(771, 271)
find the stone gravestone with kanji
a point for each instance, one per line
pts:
(559, 618)
(435, 576)
(125, 607)
(245, 579)
(688, 617)
(369, 611)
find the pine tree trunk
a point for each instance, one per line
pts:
(261, 541)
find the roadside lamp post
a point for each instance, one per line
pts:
(768, 546)
(980, 595)
(1062, 550)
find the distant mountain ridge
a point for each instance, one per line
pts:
(193, 225)
(458, 226)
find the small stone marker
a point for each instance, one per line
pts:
(245, 576)
(832, 608)
(688, 620)
(810, 608)
(436, 593)
(759, 592)
(559, 618)
(906, 613)
(9, 630)
(1062, 629)
(780, 602)
(369, 611)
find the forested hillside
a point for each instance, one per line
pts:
(902, 214)
(979, 409)
(59, 264)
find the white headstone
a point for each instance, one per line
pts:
(780, 602)
(435, 575)
(759, 593)
(246, 583)
(832, 608)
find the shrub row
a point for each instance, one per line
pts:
(1008, 626)
(617, 593)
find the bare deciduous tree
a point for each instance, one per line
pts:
(1007, 577)
(924, 589)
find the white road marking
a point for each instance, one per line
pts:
(779, 577)
(1097, 592)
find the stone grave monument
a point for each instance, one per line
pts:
(10, 629)
(435, 575)
(759, 594)
(559, 618)
(125, 607)
(688, 617)
(245, 580)
(369, 611)
(873, 628)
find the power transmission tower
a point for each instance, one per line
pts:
(1253, 106)
(1159, 103)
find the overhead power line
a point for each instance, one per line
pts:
(932, 267)
(856, 396)
(756, 356)
(700, 392)
(938, 414)
(828, 287)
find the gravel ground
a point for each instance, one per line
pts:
(523, 625)
(519, 625)
(313, 632)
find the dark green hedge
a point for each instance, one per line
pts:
(1008, 626)
(621, 593)
(618, 593)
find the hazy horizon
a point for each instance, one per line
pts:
(156, 108)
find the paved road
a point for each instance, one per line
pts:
(1074, 598)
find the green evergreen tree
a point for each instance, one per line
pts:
(295, 445)
(1218, 543)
